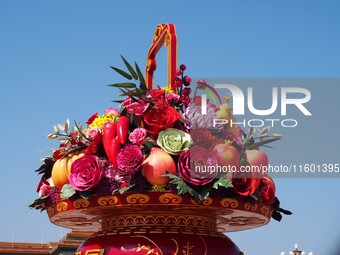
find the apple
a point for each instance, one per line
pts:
(227, 154)
(156, 164)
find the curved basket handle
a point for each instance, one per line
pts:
(164, 34)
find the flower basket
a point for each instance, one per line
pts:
(130, 176)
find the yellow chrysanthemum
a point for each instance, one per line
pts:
(167, 90)
(101, 120)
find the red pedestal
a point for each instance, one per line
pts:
(158, 223)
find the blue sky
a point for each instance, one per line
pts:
(54, 59)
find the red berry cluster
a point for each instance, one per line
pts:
(182, 83)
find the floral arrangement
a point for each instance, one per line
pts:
(153, 143)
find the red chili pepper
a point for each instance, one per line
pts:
(110, 142)
(123, 129)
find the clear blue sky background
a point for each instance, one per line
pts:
(54, 58)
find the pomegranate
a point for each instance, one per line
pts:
(156, 164)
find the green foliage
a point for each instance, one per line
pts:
(122, 190)
(183, 188)
(67, 191)
(39, 203)
(130, 88)
(46, 168)
(222, 182)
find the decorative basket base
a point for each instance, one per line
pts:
(159, 223)
(160, 240)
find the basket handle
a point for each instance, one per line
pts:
(164, 34)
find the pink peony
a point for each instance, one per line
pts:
(112, 111)
(137, 108)
(44, 187)
(93, 132)
(192, 166)
(130, 159)
(86, 173)
(138, 136)
(172, 98)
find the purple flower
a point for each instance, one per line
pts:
(86, 173)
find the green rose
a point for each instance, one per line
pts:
(174, 141)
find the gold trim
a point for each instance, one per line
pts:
(159, 220)
(80, 203)
(95, 252)
(137, 199)
(110, 200)
(250, 207)
(141, 236)
(229, 202)
(170, 198)
(62, 206)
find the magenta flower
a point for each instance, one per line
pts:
(138, 136)
(130, 159)
(193, 166)
(86, 173)
(112, 111)
(137, 108)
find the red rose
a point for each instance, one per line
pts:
(157, 119)
(157, 95)
(267, 190)
(244, 183)
(86, 173)
(200, 158)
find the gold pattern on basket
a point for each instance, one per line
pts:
(266, 210)
(109, 200)
(250, 207)
(159, 220)
(80, 203)
(229, 202)
(151, 250)
(170, 198)
(62, 206)
(146, 248)
(137, 199)
(187, 249)
(207, 201)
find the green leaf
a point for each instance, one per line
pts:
(148, 146)
(118, 101)
(46, 168)
(126, 85)
(222, 182)
(67, 191)
(38, 203)
(123, 111)
(122, 190)
(254, 197)
(129, 67)
(183, 188)
(85, 194)
(122, 73)
(141, 78)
